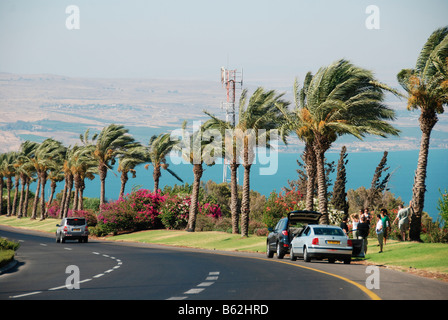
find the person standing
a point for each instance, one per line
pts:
(379, 231)
(363, 232)
(355, 220)
(344, 225)
(386, 224)
(403, 219)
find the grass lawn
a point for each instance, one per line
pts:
(207, 240)
(426, 256)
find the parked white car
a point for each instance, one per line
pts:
(318, 241)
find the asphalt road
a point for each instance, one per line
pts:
(125, 271)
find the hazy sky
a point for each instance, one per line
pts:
(273, 41)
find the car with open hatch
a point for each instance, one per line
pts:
(72, 228)
(321, 242)
(279, 238)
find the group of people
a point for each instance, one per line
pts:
(360, 225)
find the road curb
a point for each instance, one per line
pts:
(8, 267)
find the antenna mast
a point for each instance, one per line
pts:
(229, 80)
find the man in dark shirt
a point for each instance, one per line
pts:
(363, 232)
(344, 225)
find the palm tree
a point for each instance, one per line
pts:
(159, 147)
(25, 169)
(127, 161)
(8, 171)
(426, 86)
(230, 153)
(197, 149)
(108, 144)
(298, 121)
(256, 118)
(82, 166)
(340, 99)
(46, 157)
(2, 182)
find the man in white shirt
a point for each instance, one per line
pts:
(403, 219)
(379, 231)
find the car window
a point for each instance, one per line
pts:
(76, 222)
(307, 231)
(328, 232)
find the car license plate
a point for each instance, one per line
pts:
(76, 229)
(333, 242)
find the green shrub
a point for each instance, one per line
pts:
(8, 245)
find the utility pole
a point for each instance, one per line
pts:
(229, 80)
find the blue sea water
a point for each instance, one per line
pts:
(360, 170)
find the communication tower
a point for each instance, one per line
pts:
(230, 79)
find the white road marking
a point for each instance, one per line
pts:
(205, 284)
(194, 291)
(82, 281)
(26, 294)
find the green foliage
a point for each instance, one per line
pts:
(443, 207)
(8, 245)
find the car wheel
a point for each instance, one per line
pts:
(62, 239)
(306, 256)
(269, 252)
(280, 252)
(331, 260)
(348, 260)
(57, 238)
(292, 256)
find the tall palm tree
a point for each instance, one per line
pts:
(46, 157)
(108, 144)
(159, 147)
(127, 161)
(230, 153)
(256, 117)
(25, 169)
(2, 182)
(82, 166)
(298, 121)
(8, 171)
(341, 99)
(197, 149)
(426, 86)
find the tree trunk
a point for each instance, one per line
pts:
(1, 194)
(124, 179)
(36, 199)
(42, 197)
(64, 195)
(76, 179)
(102, 169)
(320, 147)
(245, 202)
(310, 163)
(16, 194)
(50, 200)
(197, 171)
(156, 176)
(69, 181)
(27, 192)
(427, 122)
(81, 195)
(234, 197)
(8, 200)
(22, 195)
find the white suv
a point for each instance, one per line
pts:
(72, 229)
